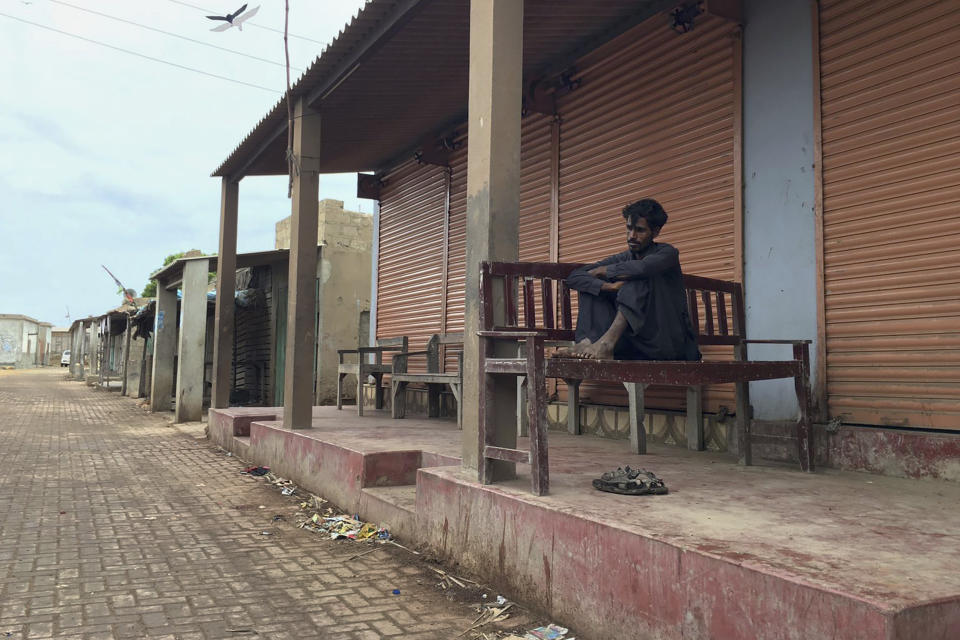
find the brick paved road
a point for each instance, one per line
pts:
(115, 525)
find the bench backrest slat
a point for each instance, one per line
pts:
(546, 302)
(716, 306)
(529, 307)
(708, 310)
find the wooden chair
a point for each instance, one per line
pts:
(364, 368)
(435, 378)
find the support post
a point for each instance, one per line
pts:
(94, 348)
(302, 291)
(226, 285)
(493, 202)
(192, 343)
(164, 348)
(126, 357)
(638, 431)
(75, 349)
(695, 441)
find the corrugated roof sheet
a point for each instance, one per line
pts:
(399, 71)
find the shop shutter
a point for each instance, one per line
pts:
(654, 117)
(890, 104)
(410, 263)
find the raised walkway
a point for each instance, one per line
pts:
(731, 552)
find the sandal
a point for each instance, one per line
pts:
(630, 482)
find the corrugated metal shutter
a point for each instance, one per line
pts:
(890, 101)
(654, 117)
(410, 268)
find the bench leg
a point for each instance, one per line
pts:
(378, 379)
(455, 389)
(433, 400)
(537, 411)
(398, 399)
(745, 455)
(573, 407)
(638, 432)
(804, 426)
(523, 419)
(695, 418)
(340, 377)
(360, 378)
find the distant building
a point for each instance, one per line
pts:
(24, 342)
(60, 340)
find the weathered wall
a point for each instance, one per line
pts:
(20, 337)
(344, 275)
(60, 341)
(779, 244)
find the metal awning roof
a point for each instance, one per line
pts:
(172, 274)
(399, 72)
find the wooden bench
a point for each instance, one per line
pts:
(363, 368)
(502, 283)
(435, 379)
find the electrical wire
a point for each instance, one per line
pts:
(252, 24)
(168, 33)
(139, 55)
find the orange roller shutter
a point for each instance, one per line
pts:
(890, 81)
(654, 117)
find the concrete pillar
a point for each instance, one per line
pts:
(226, 285)
(164, 348)
(192, 343)
(126, 356)
(493, 199)
(302, 292)
(94, 368)
(74, 350)
(84, 346)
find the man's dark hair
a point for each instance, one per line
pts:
(649, 209)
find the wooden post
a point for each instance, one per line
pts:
(493, 204)
(302, 291)
(226, 285)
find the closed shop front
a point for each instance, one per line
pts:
(654, 117)
(890, 105)
(410, 263)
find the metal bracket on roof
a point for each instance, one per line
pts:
(537, 99)
(682, 16)
(731, 10)
(368, 186)
(435, 150)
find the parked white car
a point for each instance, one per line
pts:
(65, 359)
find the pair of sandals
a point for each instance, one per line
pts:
(630, 482)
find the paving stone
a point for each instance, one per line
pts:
(113, 524)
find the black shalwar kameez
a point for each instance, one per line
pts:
(653, 301)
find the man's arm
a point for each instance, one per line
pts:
(663, 258)
(585, 278)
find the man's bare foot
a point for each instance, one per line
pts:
(572, 352)
(599, 350)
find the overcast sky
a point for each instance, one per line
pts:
(105, 157)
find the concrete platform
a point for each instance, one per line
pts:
(731, 552)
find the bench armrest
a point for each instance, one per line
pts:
(508, 334)
(777, 341)
(379, 349)
(347, 351)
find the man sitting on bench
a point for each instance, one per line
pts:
(633, 304)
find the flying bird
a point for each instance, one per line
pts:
(235, 19)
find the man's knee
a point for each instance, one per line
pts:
(632, 291)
